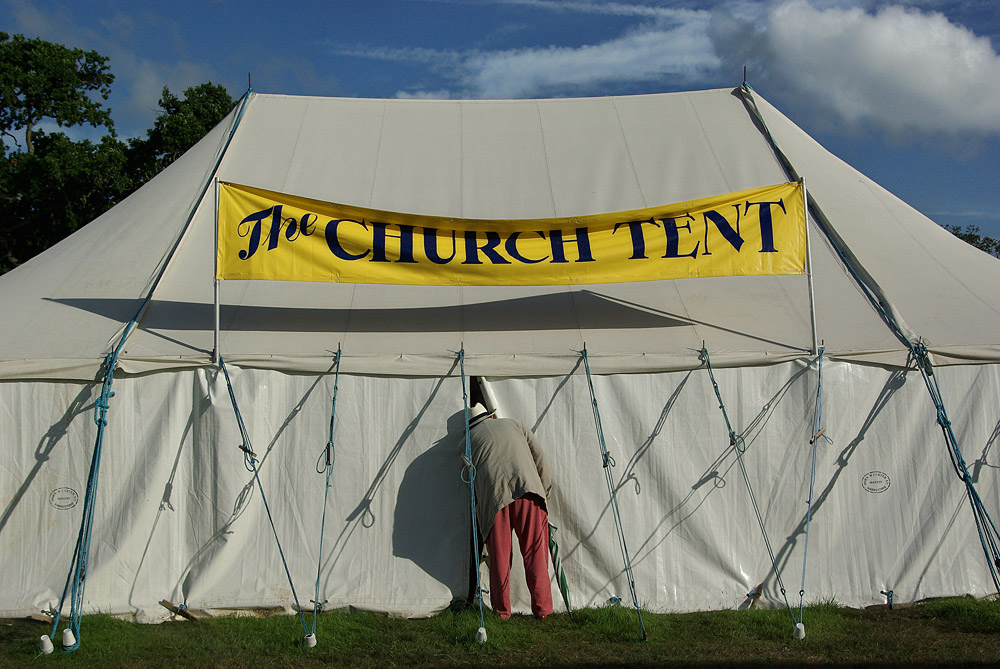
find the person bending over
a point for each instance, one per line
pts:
(512, 485)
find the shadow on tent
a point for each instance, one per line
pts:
(432, 510)
(895, 381)
(82, 403)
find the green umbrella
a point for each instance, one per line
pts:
(557, 566)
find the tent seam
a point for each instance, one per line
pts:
(378, 153)
(545, 157)
(628, 152)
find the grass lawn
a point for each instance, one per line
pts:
(959, 631)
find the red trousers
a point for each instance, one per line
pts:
(527, 517)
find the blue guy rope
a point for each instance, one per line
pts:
(739, 447)
(469, 477)
(608, 463)
(250, 461)
(988, 535)
(81, 552)
(328, 455)
(77, 577)
(989, 538)
(817, 434)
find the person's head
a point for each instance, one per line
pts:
(478, 413)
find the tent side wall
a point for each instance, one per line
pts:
(178, 516)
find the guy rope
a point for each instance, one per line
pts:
(327, 457)
(608, 463)
(919, 355)
(739, 447)
(469, 477)
(77, 576)
(250, 462)
(818, 432)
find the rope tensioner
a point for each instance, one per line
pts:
(81, 553)
(818, 432)
(989, 537)
(607, 463)
(250, 462)
(734, 441)
(328, 455)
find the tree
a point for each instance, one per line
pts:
(43, 80)
(48, 194)
(971, 235)
(52, 185)
(179, 126)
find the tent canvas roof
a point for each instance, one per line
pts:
(68, 307)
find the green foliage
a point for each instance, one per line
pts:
(179, 126)
(970, 235)
(51, 185)
(48, 194)
(41, 80)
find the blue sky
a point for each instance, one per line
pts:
(907, 92)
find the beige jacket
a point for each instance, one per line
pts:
(509, 464)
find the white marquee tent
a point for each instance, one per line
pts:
(177, 515)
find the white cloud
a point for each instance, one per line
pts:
(648, 54)
(600, 7)
(900, 69)
(140, 83)
(674, 46)
(442, 94)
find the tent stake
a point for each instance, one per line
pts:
(177, 610)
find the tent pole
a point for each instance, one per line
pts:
(809, 270)
(215, 340)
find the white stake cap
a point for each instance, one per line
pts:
(311, 640)
(68, 638)
(45, 645)
(800, 631)
(481, 635)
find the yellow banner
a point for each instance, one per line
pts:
(268, 235)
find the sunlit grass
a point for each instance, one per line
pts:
(957, 630)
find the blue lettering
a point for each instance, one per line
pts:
(405, 238)
(430, 247)
(334, 242)
(488, 249)
(722, 225)
(582, 244)
(670, 229)
(638, 239)
(511, 246)
(766, 224)
(253, 231)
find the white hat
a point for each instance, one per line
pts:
(479, 413)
